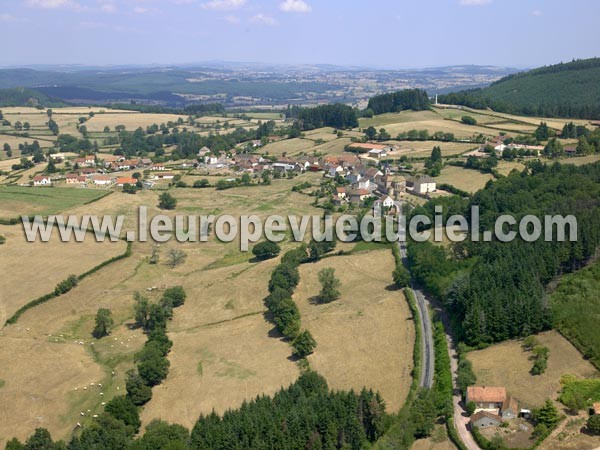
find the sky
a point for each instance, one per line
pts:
(373, 33)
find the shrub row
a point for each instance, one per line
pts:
(152, 362)
(284, 311)
(65, 286)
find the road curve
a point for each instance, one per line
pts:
(461, 419)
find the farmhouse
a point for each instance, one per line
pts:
(373, 150)
(340, 192)
(510, 408)
(163, 176)
(42, 180)
(486, 397)
(158, 166)
(72, 178)
(88, 161)
(383, 205)
(121, 181)
(358, 195)
(424, 185)
(102, 180)
(484, 419)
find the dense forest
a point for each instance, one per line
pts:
(562, 90)
(496, 290)
(576, 307)
(415, 99)
(337, 115)
(305, 415)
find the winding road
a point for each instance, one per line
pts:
(461, 419)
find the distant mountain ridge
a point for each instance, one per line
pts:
(569, 90)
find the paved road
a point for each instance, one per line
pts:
(426, 330)
(461, 419)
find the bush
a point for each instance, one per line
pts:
(304, 344)
(167, 201)
(468, 120)
(266, 250)
(471, 407)
(201, 183)
(104, 322)
(593, 424)
(401, 276)
(66, 285)
(329, 285)
(122, 408)
(137, 390)
(285, 276)
(174, 297)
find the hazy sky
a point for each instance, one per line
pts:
(384, 33)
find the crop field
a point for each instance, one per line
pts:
(16, 200)
(422, 149)
(130, 121)
(507, 364)
(289, 147)
(44, 268)
(383, 120)
(466, 179)
(366, 337)
(14, 142)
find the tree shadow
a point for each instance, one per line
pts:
(315, 300)
(392, 287)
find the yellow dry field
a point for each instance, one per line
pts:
(505, 167)
(438, 440)
(460, 130)
(581, 160)
(515, 128)
(49, 383)
(384, 120)
(289, 147)
(14, 142)
(326, 134)
(557, 124)
(209, 276)
(36, 267)
(466, 179)
(335, 147)
(507, 364)
(130, 121)
(422, 149)
(366, 337)
(572, 436)
(223, 351)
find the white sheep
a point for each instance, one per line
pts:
(82, 413)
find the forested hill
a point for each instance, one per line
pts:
(496, 290)
(27, 97)
(562, 90)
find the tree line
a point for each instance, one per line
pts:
(307, 415)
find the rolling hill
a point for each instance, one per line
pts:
(562, 90)
(27, 97)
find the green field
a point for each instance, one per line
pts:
(17, 200)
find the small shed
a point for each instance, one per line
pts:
(484, 419)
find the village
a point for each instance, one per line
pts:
(360, 177)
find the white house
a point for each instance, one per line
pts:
(102, 180)
(377, 153)
(42, 180)
(424, 185)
